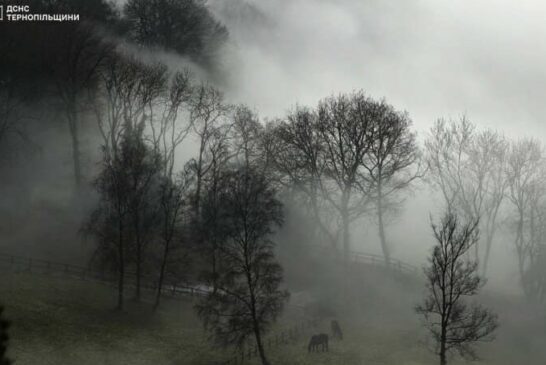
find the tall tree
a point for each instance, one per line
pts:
(208, 121)
(455, 325)
(108, 222)
(296, 154)
(468, 167)
(346, 126)
(122, 106)
(78, 51)
(525, 173)
(167, 134)
(143, 169)
(248, 298)
(392, 163)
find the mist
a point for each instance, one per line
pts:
(432, 59)
(133, 177)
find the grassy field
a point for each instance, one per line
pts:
(67, 321)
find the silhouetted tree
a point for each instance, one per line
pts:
(126, 218)
(326, 155)
(167, 133)
(77, 54)
(184, 26)
(58, 62)
(209, 124)
(525, 170)
(143, 167)
(455, 324)
(468, 167)
(247, 298)
(392, 163)
(296, 151)
(210, 225)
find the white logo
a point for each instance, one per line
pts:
(1, 12)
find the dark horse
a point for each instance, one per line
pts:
(318, 340)
(336, 330)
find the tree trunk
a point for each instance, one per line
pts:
(346, 252)
(382, 236)
(121, 273)
(259, 343)
(74, 136)
(138, 270)
(443, 360)
(488, 244)
(199, 178)
(346, 233)
(162, 274)
(521, 253)
(214, 270)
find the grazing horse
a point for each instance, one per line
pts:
(336, 330)
(318, 340)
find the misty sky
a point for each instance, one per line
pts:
(433, 58)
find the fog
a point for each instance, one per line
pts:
(433, 59)
(480, 60)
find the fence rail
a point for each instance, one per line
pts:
(41, 266)
(358, 257)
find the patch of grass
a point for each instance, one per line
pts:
(62, 321)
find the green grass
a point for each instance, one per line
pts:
(59, 321)
(62, 321)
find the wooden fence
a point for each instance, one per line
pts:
(39, 266)
(357, 257)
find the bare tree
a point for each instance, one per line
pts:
(468, 167)
(346, 126)
(172, 201)
(122, 106)
(324, 155)
(108, 223)
(296, 151)
(208, 115)
(167, 134)
(455, 324)
(248, 298)
(78, 54)
(211, 232)
(392, 163)
(246, 135)
(143, 169)
(526, 172)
